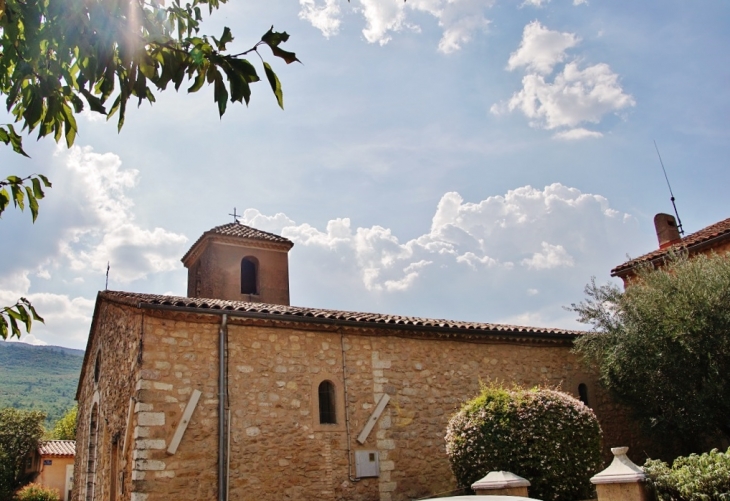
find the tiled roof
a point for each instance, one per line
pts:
(697, 239)
(295, 313)
(241, 231)
(57, 448)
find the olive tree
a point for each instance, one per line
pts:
(662, 346)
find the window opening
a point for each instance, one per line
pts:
(327, 409)
(583, 393)
(97, 367)
(248, 276)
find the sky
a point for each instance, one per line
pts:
(472, 160)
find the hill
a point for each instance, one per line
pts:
(39, 378)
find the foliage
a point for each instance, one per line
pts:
(541, 434)
(36, 492)
(59, 57)
(39, 378)
(22, 312)
(20, 432)
(65, 428)
(663, 346)
(694, 478)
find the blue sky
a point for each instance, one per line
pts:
(464, 159)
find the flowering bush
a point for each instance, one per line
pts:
(692, 478)
(543, 435)
(36, 492)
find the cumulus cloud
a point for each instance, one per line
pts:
(576, 134)
(325, 16)
(535, 3)
(485, 254)
(551, 256)
(88, 222)
(541, 49)
(575, 95)
(108, 232)
(459, 20)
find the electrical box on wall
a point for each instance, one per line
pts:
(366, 464)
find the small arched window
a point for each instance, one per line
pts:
(248, 275)
(583, 393)
(97, 367)
(327, 408)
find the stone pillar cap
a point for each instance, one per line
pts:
(500, 480)
(621, 471)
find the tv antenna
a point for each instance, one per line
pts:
(106, 285)
(679, 221)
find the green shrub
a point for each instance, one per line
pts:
(543, 435)
(693, 478)
(36, 492)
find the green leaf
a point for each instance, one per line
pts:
(16, 141)
(226, 37)
(220, 94)
(287, 56)
(94, 102)
(32, 202)
(275, 84)
(199, 81)
(272, 38)
(45, 180)
(4, 200)
(37, 190)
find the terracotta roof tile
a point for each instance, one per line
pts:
(58, 448)
(241, 231)
(350, 317)
(690, 242)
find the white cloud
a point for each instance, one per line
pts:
(574, 97)
(541, 49)
(577, 133)
(458, 19)
(580, 2)
(107, 232)
(325, 17)
(535, 3)
(545, 230)
(551, 256)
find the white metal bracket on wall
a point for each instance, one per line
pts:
(363, 436)
(184, 421)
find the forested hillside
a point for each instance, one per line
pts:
(39, 377)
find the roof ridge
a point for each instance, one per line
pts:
(385, 319)
(720, 229)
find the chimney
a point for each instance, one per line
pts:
(666, 230)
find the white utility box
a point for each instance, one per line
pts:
(367, 464)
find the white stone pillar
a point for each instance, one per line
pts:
(501, 483)
(622, 480)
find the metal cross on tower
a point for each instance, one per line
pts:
(235, 216)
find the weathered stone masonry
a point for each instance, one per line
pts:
(278, 448)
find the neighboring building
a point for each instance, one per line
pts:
(714, 238)
(193, 398)
(52, 465)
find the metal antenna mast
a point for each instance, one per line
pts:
(679, 221)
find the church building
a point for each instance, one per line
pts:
(231, 393)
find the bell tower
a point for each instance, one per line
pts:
(239, 263)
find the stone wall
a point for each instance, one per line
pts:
(278, 448)
(117, 342)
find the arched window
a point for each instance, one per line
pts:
(583, 393)
(327, 409)
(97, 367)
(91, 459)
(248, 275)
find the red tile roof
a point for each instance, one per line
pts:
(57, 448)
(694, 242)
(239, 230)
(294, 313)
